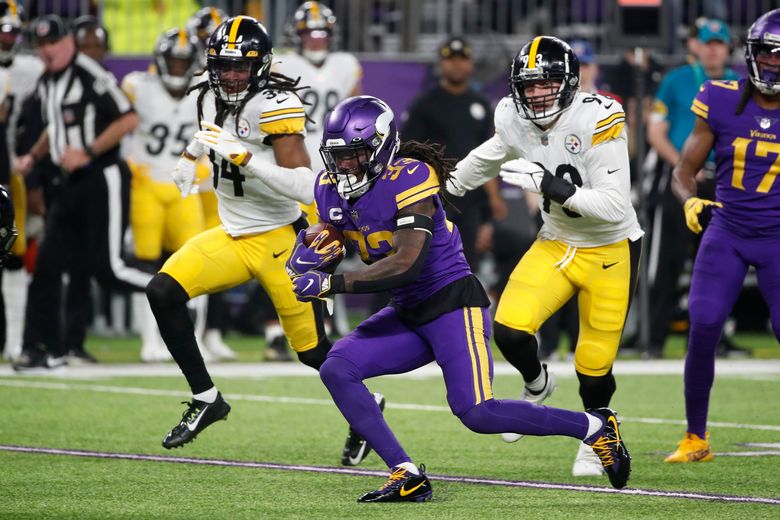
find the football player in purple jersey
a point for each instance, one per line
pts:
(738, 119)
(384, 197)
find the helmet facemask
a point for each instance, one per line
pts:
(177, 60)
(763, 62)
(232, 79)
(350, 167)
(10, 38)
(540, 108)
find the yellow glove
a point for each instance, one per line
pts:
(693, 208)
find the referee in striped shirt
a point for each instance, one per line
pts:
(86, 115)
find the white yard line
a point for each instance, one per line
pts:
(131, 390)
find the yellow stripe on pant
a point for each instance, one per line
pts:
(214, 261)
(19, 199)
(601, 275)
(480, 364)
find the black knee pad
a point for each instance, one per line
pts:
(315, 357)
(597, 391)
(514, 341)
(164, 291)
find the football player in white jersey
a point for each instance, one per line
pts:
(252, 129)
(19, 75)
(329, 76)
(570, 148)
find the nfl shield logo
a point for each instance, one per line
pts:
(765, 123)
(573, 144)
(354, 214)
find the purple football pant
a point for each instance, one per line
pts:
(718, 273)
(459, 342)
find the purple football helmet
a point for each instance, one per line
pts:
(762, 53)
(359, 139)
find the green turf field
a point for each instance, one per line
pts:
(289, 421)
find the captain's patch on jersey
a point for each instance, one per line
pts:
(243, 128)
(573, 144)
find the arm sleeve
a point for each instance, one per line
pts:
(608, 196)
(479, 166)
(293, 183)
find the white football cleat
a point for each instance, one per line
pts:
(587, 463)
(527, 395)
(212, 341)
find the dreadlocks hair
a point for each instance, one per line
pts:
(747, 93)
(276, 82)
(433, 155)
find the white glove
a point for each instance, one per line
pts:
(524, 174)
(184, 175)
(222, 142)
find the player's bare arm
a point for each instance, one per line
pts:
(695, 151)
(290, 151)
(694, 154)
(403, 266)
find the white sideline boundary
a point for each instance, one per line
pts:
(132, 390)
(765, 369)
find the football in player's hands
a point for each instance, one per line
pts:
(332, 239)
(318, 247)
(331, 235)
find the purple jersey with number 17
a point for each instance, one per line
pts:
(370, 221)
(747, 154)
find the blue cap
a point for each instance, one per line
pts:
(584, 51)
(712, 29)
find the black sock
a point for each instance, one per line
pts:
(597, 391)
(168, 300)
(520, 350)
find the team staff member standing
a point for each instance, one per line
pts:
(86, 116)
(455, 115)
(670, 123)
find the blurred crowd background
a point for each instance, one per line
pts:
(410, 48)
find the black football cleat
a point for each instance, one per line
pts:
(610, 448)
(198, 416)
(356, 449)
(402, 486)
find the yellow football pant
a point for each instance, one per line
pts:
(604, 278)
(214, 261)
(19, 199)
(160, 218)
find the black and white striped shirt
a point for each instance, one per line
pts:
(78, 104)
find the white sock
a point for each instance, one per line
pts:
(594, 425)
(273, 330)
(537, 385)
(410, 467)
(209, 396)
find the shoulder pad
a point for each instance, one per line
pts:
(409, 181)
(608, 116)
(277, 112)
(505, 114)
